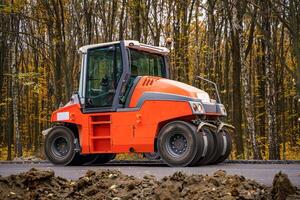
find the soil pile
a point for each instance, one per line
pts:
(111, 184)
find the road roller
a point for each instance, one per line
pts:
(126, 102)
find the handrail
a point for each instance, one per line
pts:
(214, 84)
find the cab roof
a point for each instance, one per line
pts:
(133, 44)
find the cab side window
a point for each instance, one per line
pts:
(146, 64)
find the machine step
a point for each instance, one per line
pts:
(100, 133)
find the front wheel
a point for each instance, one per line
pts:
(178, 143)
(60, 147)
(227, 146)
(210, 147)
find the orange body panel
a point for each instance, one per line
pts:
(120, 131)
(136, 127)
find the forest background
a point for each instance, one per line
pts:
(250, 48)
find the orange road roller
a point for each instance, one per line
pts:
(126, 103)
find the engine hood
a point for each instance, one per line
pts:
(179, 88)
(166, 86)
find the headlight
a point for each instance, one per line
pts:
(197, 107)
(222, 110)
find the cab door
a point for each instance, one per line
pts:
(106, 69)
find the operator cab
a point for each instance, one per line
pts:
(110, 70)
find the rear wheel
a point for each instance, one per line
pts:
(210, 145)
(219, 146)
(178, 143)
(227, 141)
(60, 147)
(202, 148)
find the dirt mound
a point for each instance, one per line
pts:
(111, 184)
(283, 188)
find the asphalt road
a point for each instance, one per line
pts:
(262, 173)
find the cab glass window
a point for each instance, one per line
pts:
(104, 72)
(146, 64)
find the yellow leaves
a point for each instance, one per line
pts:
(15, 7)
(291, 152)
(6, 100)
(5, 9)
(28, 83)
(22, 76)
(3, 153)
(29, 79)
(223, 91)
(129, 156)
(2, 104)
(204, 48)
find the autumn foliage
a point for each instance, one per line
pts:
(250, 48)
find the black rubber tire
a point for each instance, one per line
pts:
(210, 147)
(200, 149)
(226, 136)
(71, 157)
(185, 130)
(100, 159)
(152, 156)
(219, 146)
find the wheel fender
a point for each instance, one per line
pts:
(225, 126)
(202, 124)
(76, 141)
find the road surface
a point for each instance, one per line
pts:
(262, 173)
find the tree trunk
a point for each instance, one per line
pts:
(261, 84)
(136, 23)
(112, 20)
(210, 65)
(248, 101)
(10, 120)
(121, 21)
(270, 87)
(235, 19)
(294, 20)
(15, 89)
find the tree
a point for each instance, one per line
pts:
(236, 20)
(248, 96)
